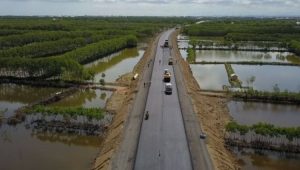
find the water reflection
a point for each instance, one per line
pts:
(13, 96)
(24, 94)
(252, 112)
(116, 64)
(21, 149)
(67, 139)
(266, 77)
(88, 98)
(210, 77)
(234, 56)
(257, 159)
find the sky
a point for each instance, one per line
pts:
(151, 7)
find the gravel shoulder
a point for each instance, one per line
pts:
(212, 114)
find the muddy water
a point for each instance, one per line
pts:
(222, 56)
(266, 77)
(252, 112)
(209, 76)
(14, 96)
(250, 159)
(249, 113)
(22, 149)
(88, 98)
(115, 64)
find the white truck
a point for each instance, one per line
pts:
(168, 88)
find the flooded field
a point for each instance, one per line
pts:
(46, 150)
(235, 56)
(87, 98)
(115, 64)
(250, 159)
(268, 77)
(249, 113)
(210, 77)
(183, 44)
(14, 96)
(36, 149)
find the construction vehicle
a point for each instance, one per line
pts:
(167, 76)
(166, 44)
(170, 62)
(168, 88)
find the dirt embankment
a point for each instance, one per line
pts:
(212, 113)
(120, 104)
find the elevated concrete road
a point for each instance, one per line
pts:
(162, 143)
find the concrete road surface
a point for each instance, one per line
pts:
(162, 142)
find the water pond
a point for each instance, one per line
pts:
(250, 159)
(209, 76)
(269, 77)
(249, 113)
(26, 149)
(235, 56)
(21, 148)
(115, 65)
(88, 98)
(13, 96)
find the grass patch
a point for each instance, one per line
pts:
(265, 130)
(91, 113)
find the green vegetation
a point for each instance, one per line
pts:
(91, 113)
(55, 48)
(266, 33)
(277, 96)
(234, 81)
(191, 58)
(265, 130)
(295, 46)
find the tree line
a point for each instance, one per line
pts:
(66, 66)
(47, 48)
(39, 36)
(286, 32)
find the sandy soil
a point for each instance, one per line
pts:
(120, 104)
(213, 115)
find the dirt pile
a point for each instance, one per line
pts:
(212, 113)
(120, 104)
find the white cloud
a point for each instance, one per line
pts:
(150, 7)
